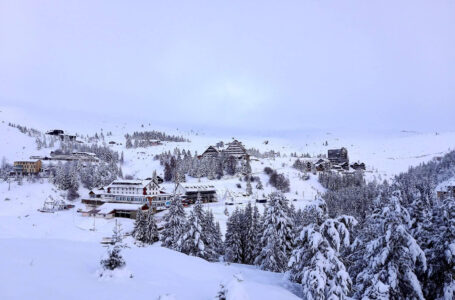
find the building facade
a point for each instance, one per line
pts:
(338, 156)
(190, 192)
(27, 167)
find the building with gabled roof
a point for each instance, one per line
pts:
(210, 152)
(338, 156)
(446, 189)
(236, 149)
(189, 192)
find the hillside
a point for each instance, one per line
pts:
(49, 254)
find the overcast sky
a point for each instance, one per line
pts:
(234, 64)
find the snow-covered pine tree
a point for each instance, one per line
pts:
(219, 239)
(249, 188)
(140, 226)
(151, 229)
(277, 237)
(194, 242)
(316, 263)
(439, 280)
(175, 225)
(253, 237)
(233, 245)
(392, 257)
(114, 258)
(214, 242)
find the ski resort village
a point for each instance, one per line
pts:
(181, 215)
(227, 150)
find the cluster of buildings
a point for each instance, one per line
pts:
(75, 156)
(123, 198)
(337, 159)
(446, 189)
(234, 149)
(61, 134)
(35, 166)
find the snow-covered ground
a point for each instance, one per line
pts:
(56, 255)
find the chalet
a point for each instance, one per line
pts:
(190, 192)
(306, 164)
(210, 152)
(338, 156)
(236, 149)
(61, 134)
(155, 142)
(27, 167)
(322, 165)
(446, 189)
(341, 166)
(231, 198)
(358, 166)
(55, 132)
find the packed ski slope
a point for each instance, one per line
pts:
(56, 255)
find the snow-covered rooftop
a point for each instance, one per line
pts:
(109, 207)
(129, 183)
(198, 187)
(443, 186)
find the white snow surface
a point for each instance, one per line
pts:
(56, 255)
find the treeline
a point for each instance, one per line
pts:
(26, 130)
(69, 175)
(403, 245)
(399, 245)
(301, 243)
(103, 152)
(181, 163)
(267, 154)
(145, 138)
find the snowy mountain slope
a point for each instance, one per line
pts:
(16, 145)
(42, 247)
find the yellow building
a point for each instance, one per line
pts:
(27, 167)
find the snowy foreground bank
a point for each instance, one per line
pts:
(62, 269)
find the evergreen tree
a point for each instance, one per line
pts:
(175, 225)
(392, 256)
(249, 188)
(316, 263)
(253, 237)
(233, 243)
(195, 239)
(114, 258)
(439, 243)
(129, 144)
(151, 229)
(140, 226)
(278, 236)
(167, 172)
(214, 242)
(122, 159)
